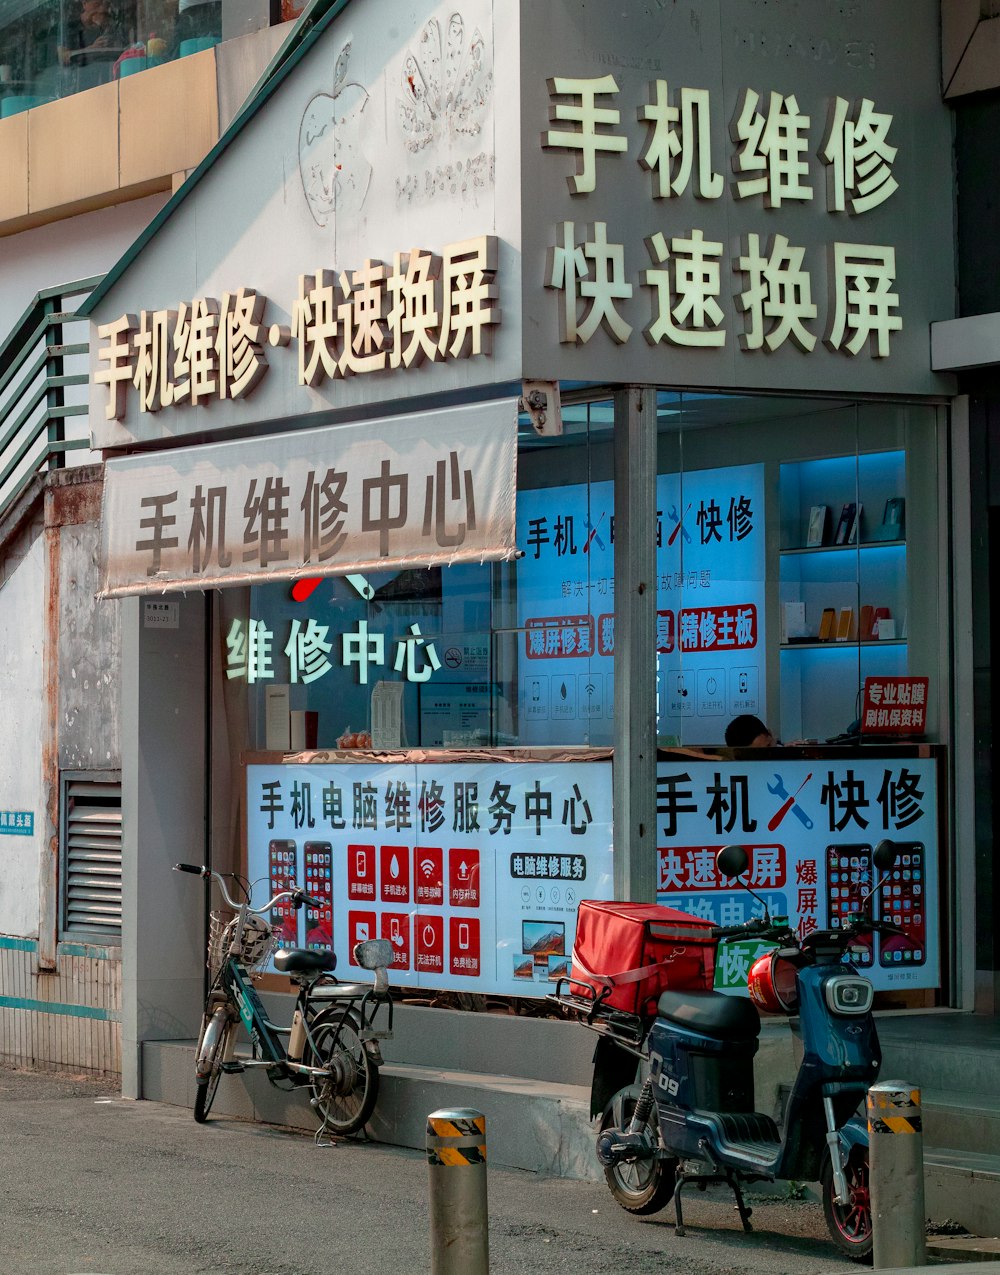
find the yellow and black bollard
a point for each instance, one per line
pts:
(896, 1175)
(456, 1159)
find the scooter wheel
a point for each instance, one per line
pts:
(642, 1186)
(850, 1224)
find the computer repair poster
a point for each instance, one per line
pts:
(473, 871)
(810, 827)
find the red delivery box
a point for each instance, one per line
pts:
(628, 953)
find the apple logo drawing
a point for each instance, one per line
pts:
(335, 173)
(446, 84)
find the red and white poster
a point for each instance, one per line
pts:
(895, 706)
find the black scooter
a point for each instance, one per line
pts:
(692, 1118)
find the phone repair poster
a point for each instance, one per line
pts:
(810, 827)
(710, 638)
(473, 871)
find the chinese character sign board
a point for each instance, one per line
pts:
(894, 706)
(419, 490)
(710, 605)
(472, 871)
(17, 823)
(810, 828)
(734, 193)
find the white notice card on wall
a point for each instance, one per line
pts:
(277, 719)
(160, 614)
(387, 715)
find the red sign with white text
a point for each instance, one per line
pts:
(894, 706)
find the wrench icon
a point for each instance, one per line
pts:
(779, 790)
(674, 516)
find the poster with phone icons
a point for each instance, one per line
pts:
(810, 827)
(472, 871)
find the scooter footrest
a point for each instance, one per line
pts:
(748, 1127)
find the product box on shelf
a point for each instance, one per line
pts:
(626, 954)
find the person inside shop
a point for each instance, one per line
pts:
(98, 30)
(747, 731)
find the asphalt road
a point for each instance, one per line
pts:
(93, 1183)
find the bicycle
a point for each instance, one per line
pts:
(331, 1047)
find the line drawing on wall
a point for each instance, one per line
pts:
(335, 172)
(446, 84)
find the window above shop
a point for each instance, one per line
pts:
(50, 49)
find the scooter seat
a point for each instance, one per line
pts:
(712, 1013)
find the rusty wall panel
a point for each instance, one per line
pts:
(89, 657)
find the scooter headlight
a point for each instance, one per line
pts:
(849, 994)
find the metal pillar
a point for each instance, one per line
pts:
(634, 790)
(456, 1159)
(896, 1175)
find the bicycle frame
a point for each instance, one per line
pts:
(235, 985)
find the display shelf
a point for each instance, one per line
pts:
(821, 681)
(851, 645)
(863, 546)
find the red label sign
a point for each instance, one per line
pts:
(429, 944)
(428, 874)
(463, 878)
(361, 872)
(361, 926)
(463, 943)
(396, 928)
(894, 706)
(694, 868)
(395, 874)
(727, 628)
(555, 637)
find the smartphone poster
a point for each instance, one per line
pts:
(472, 871)
(810, 827)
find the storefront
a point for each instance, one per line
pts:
(455, 657)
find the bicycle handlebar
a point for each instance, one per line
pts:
(298, 897)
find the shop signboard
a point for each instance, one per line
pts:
(710, 628)
(422, 490)
(811, 827)
(472, 870)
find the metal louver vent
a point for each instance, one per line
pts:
(92, 857)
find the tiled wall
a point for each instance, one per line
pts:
(67, 1020)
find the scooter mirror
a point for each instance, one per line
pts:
(732, 861)
(883, 856)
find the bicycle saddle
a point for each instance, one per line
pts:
(299, 960)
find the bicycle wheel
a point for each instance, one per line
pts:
(211, 1052)
(345, 1098)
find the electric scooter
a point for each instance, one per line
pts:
(692, 1117)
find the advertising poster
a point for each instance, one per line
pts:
(810, 828)
(473, 871)
(710, 636)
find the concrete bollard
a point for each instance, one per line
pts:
(896, 1175)
(456, 1159)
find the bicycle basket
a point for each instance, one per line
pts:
(259, 941)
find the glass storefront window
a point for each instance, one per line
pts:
(503, 654)
(54, 48)
(798, 555)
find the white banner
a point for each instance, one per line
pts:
(472, 870)
(426, 489)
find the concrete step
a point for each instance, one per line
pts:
(963, 1186)
(962, 1120)
(530, 1124)
(948, 1051)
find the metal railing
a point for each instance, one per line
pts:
(37, 427)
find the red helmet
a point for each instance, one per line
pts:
(772, 983)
